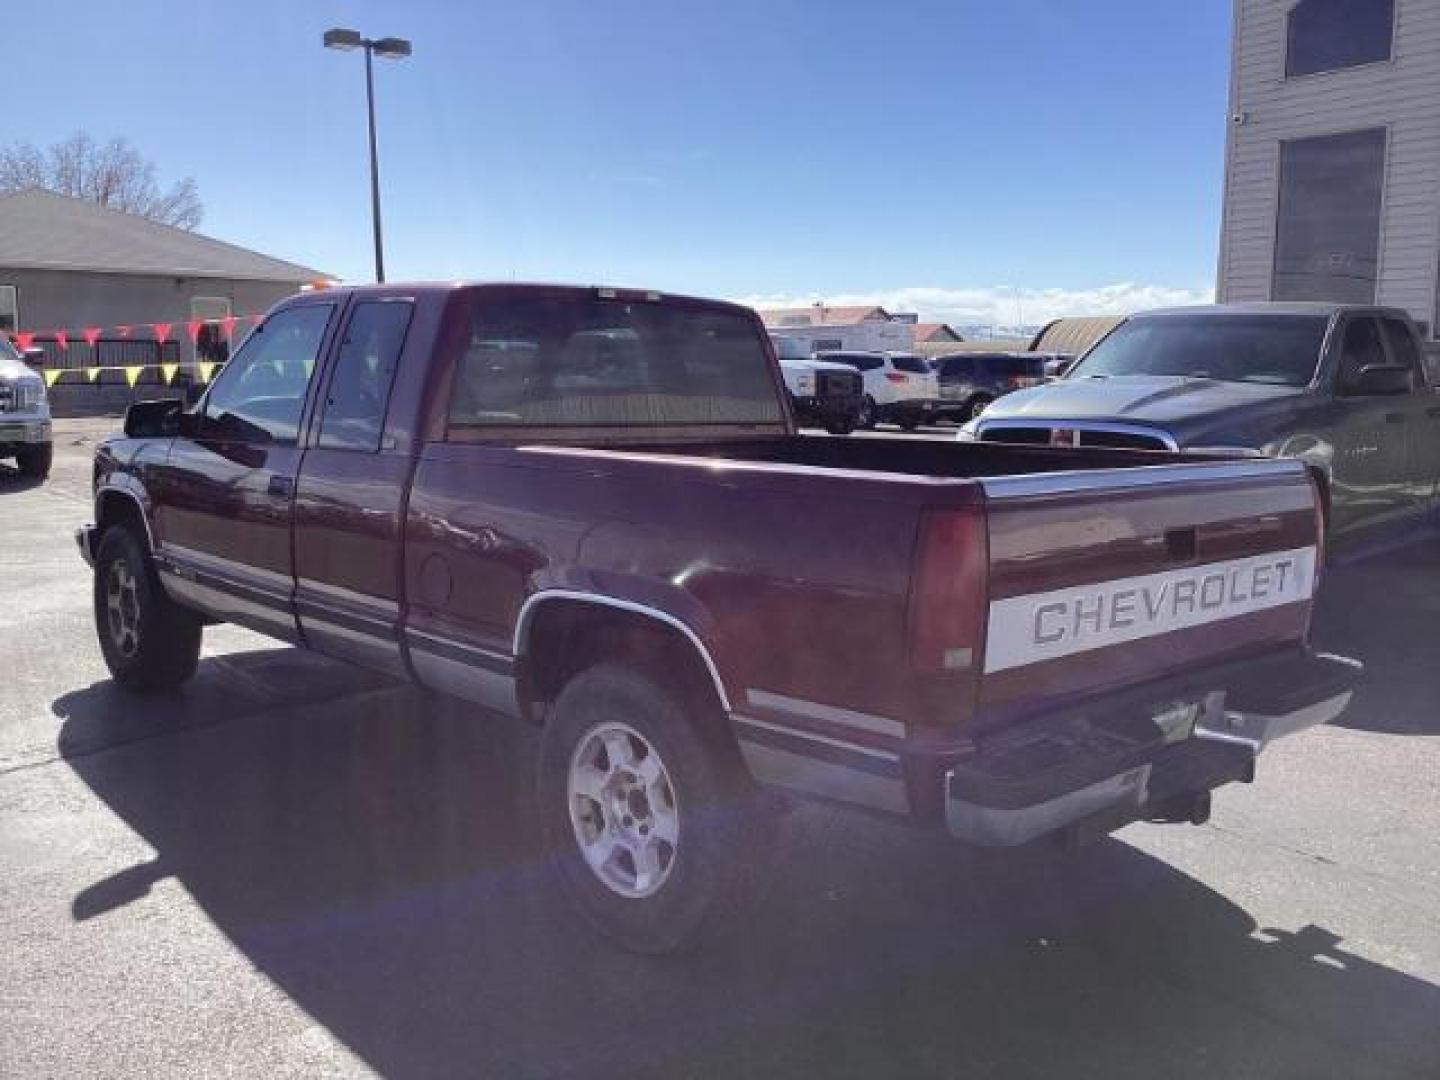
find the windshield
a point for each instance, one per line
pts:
(1278, 350)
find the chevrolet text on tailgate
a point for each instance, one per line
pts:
(590, 509)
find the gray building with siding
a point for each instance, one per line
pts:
(1332, 178)
(67, 264)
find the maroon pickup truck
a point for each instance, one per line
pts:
(590, 508)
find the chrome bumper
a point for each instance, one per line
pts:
(1127, 795)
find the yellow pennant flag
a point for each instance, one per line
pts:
(132, 374)
(52, 374)
(168, 371)
(206, 368)
(91, 374)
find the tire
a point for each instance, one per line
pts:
(668, 867)
(840, 427)
(976, 406)
(149, 642)
(34, 461)
(868, 414)
(908, 421)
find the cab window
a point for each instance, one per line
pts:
(1361, 349)
(259, 396)
(359, 388)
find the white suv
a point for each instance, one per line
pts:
(24, 414)
(900, 388)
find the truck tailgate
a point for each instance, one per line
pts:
(1106, 579)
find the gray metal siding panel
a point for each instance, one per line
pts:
(1402, 95)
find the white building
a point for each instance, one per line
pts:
(1332, 178)
(861, 329)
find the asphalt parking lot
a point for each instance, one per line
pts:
(294, 868)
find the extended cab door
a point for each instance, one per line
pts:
(1370, 467)
(223, 504)
(350, 495)
(1422, 407)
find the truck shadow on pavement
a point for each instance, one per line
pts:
(374, 856)
(1380, 603)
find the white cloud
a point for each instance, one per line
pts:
(1001, 305)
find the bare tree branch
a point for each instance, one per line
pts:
(113, 175)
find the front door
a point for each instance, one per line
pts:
(1369, 470)
(224, 501)
(1422, 406)
(350, 494)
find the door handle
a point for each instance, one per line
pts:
(282, 487)
(1394, 418)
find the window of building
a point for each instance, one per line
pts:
(1327, 35)
(364, 369)
(1327, 235)
(210, 343)
(9, 309)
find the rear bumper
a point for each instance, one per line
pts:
(1103, 775)
(826, 409)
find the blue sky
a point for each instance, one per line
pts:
(959, 154)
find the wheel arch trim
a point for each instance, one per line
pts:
(129, 492)
(525, 620)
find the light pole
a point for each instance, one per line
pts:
(390, 48)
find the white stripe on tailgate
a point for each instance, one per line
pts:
(1046, 626)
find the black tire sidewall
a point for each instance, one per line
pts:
(34, 461)
(169, 637)
(701, 882)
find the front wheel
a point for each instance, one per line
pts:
(34, 461)
(643, 814)
(149, 642)
(908, 421)
(840, 427)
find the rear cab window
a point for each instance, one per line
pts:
(585, 361)
(916, 365)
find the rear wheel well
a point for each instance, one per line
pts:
(565, 637)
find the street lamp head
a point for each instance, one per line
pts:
(344, 40)
(392, 48)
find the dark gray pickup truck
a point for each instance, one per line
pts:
(1342, 387)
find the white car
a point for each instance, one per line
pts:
(24, 414)
(900, 388)
(823, 394)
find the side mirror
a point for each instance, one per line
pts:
(1380, 380)
(153, 419)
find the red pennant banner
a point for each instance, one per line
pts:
(24, 339)
(162, 331)
(91, 334)
(193, 329)
(228, 323)
(63, 340)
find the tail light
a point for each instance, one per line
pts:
(949, 597)
(894, 376)
(1019, 382)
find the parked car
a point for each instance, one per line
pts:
(900, 388)
(24, 412)
(971, 381)
(822, 394)
(1057, 364)
(1342, 387)
(583, 507)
